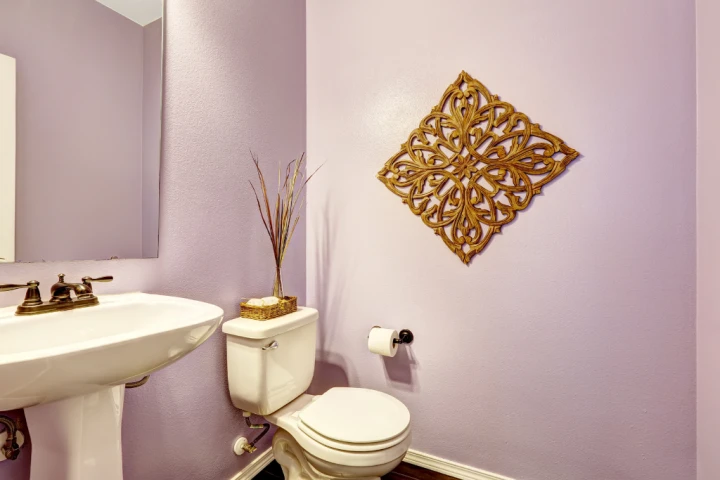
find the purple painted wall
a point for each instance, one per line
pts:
(566, 350)
(234, 80)
(151, 124)
(79, 121)
(708, 240)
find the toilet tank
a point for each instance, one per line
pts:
(270, 362)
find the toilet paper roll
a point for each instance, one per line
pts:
(381, 341)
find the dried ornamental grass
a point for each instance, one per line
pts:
(280, 222)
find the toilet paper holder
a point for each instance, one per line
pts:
(406, 336)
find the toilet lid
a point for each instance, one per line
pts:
(356, 416)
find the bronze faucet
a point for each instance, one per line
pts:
(61, 295)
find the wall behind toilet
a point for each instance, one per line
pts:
(234, 80)
(565, 351)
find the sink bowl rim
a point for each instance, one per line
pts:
(212, 315)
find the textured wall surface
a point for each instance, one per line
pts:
(234, 80)
(566, 350)
(708, 232)
(79, 129)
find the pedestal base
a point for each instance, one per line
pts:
(291, 457)
(298, 465)
(78, 438)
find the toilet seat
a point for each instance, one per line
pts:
(348, 426)
(353, 447)
(355, 419)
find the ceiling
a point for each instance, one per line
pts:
(141, 12)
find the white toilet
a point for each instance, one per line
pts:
(344, 433)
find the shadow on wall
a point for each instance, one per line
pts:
(330, 371)
(331, 368)
(400, 369)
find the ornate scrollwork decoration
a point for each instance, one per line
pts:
(472, 164)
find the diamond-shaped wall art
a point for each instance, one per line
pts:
(472, 165)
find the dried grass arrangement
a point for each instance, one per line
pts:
(280, 222)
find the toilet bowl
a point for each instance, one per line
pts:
(343, 433)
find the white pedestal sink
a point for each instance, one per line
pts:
(68, 371)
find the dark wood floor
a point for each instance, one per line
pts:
(404, 471)
(271, 472)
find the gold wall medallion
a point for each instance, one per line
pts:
(472, 164)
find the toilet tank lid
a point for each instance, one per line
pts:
(259, 329)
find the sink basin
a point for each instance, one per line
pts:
(52, 356)
(68, 370)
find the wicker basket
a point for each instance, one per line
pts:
(283, 307)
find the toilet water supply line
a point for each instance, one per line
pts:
(11, 449)
(250, 447)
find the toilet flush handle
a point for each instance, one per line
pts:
(272, 346)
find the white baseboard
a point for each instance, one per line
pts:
(431, 462)
(457, 470)
(255, 467)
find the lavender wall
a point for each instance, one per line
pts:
(79, 122)
(566, 350)
(708, 241)
(151, 123)
(234, 80)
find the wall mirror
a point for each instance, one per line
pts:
(80, 127)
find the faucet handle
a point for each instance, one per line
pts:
(108, 278)
(87, 281)
(9, 287)
(32, 297)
